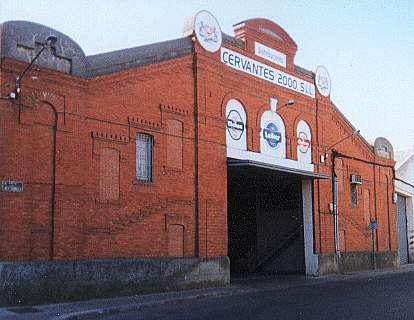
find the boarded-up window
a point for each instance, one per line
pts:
(175, 144)
(109, 175)
(175, 240)
(144, 157)
(367, 206)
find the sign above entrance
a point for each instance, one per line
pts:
(272, 135)
(272, 139)
(260, 70)
(323, 81)
(207, 31)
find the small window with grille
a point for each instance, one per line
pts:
(354, 195)
(144, 145)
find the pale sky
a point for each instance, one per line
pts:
(367, 46)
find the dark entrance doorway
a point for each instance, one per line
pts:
(265, 221)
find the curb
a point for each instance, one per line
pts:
(90, 314)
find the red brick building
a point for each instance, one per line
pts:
(190, 147)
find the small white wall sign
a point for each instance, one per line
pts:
(270, 54)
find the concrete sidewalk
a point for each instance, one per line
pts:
(92, 309)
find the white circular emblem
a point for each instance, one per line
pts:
(207, 31)
(323, 81)
(235, 125)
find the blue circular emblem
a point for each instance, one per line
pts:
(272, 135)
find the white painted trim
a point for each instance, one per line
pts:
(311, 259)
(259, 157)
(404, 189)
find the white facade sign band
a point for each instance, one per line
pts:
(260, 70)
(270, 54)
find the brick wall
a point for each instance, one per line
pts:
(102, 210)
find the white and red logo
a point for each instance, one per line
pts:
(303, 142)
(207, 31)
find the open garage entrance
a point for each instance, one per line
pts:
(267, 230)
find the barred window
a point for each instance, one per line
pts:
(354, 195)
(144, 157)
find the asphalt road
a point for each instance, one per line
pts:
(385, 297)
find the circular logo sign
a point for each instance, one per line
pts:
(207, 31)
(272, 135)
(303, 142)
(235, 125)
(323, 81)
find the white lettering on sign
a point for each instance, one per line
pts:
(272, 135)
(260, 70)
(270, 54)
(12, 186)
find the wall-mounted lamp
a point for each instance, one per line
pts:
(48, 44)
(325, 156)
(289, 103)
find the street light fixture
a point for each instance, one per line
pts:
(48, 44)
(338, 142)
(289, 103)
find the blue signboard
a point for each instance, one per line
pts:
(272, 135)
(12, 186)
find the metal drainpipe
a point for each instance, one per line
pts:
(53, 218)
(335, 204)
(318, 182)
(196, 189)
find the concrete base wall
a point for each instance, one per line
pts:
(356, 261)
(45, 282)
